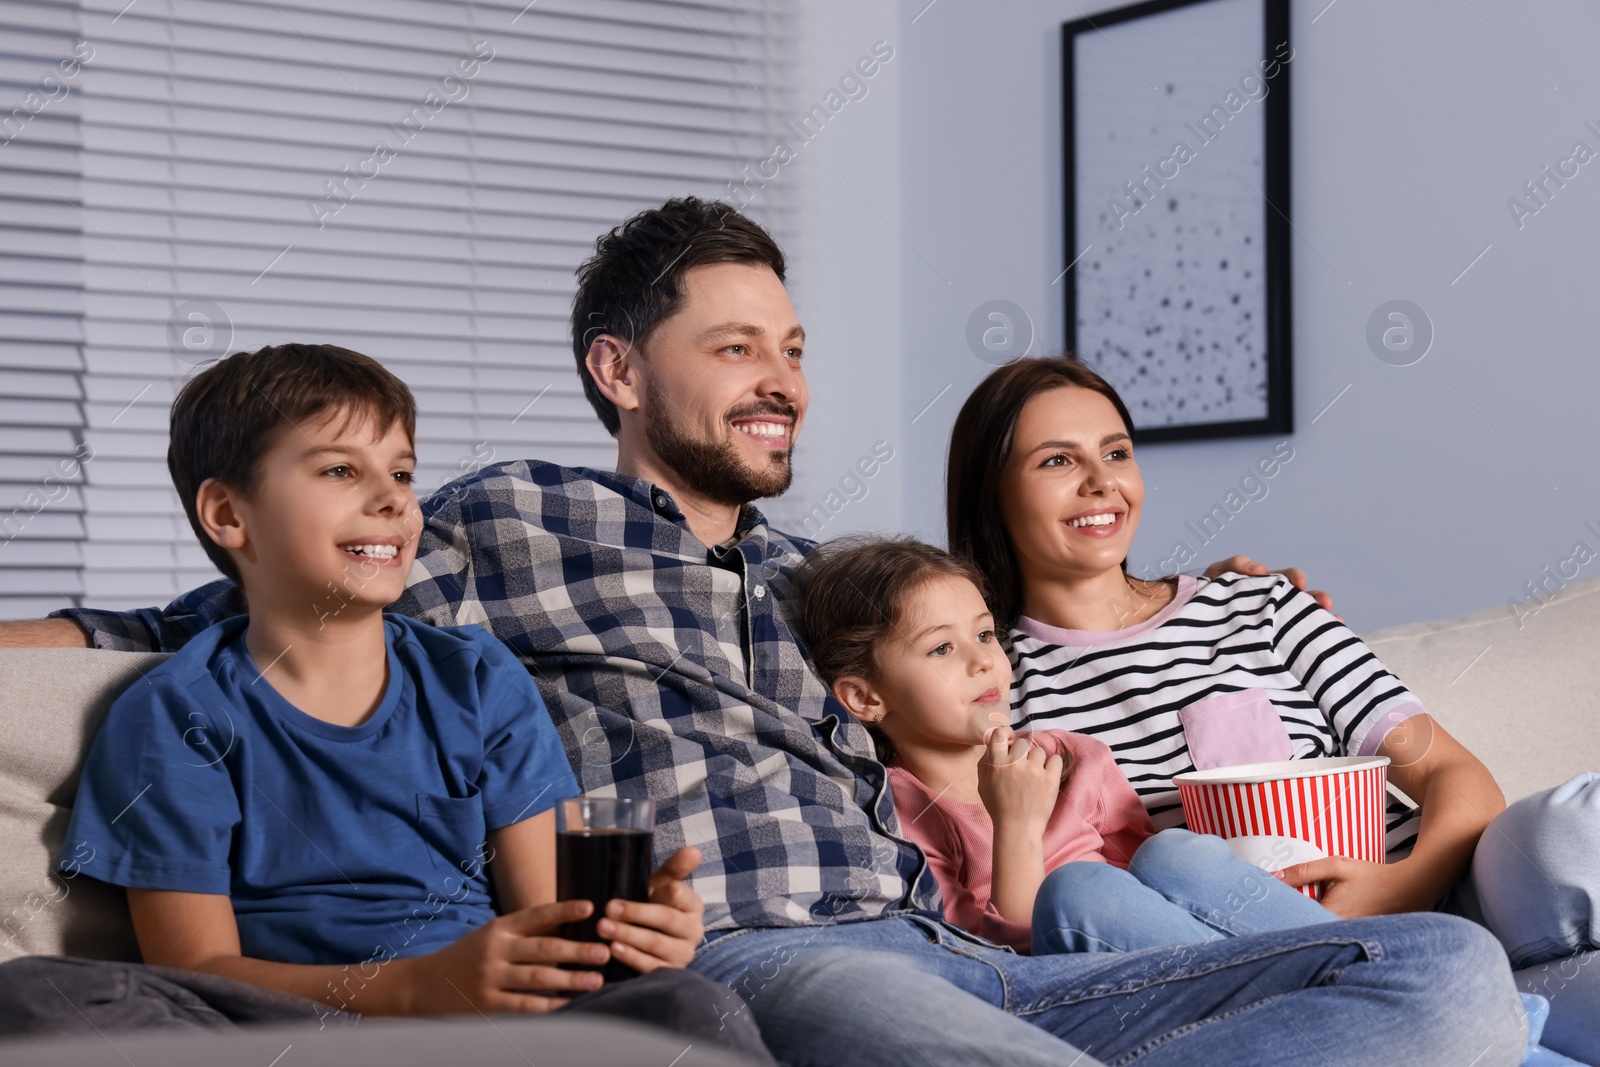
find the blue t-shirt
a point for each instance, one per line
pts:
(337, 844)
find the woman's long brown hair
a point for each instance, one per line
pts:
(980, 447)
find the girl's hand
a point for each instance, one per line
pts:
(1355, 888)
(504, 965)
(665, 932)
(1017, 781)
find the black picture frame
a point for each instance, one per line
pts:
(1276, 291)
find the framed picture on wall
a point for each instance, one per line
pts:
(1177, 214)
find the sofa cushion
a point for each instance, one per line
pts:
(1519, 686)
(52, 702)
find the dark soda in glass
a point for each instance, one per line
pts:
(601, 865)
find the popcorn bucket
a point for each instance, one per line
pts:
(1269, 813)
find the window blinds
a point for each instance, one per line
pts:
(414, 179)
(41, 309)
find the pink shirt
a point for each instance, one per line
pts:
(1098, 818)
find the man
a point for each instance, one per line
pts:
(649, 604)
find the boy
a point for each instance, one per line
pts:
(327, 799)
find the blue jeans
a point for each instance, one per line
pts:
(914, 990)
(1535, 883)
(1179, 888)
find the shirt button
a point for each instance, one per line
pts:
(661, 500)
(760, 591)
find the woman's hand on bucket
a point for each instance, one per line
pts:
(1352, 889)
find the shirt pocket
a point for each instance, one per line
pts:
(452, 829)
(1233, 728)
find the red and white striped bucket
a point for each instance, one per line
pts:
(1336, 803)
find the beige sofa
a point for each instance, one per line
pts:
(1519, 689)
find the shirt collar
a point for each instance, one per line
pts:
(661, 502)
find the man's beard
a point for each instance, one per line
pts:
(715, 471)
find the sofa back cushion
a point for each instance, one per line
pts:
(1519, 686)
(52, 702)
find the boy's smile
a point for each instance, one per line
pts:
(383, 551)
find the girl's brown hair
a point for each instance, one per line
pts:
(980, 447)
(853, 592)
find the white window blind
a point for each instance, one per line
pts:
(41, 309)
(414, 179)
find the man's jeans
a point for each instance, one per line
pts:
(1180, 888)
(1418, 990)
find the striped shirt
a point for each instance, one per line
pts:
(671, 672)
(1234, 670)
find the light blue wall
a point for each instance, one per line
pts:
(1424, 491)
(845, 275)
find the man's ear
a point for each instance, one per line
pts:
(214, 507)
(859, 699)
(613, 365)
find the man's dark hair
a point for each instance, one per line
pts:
(634, 280)
(225, 418)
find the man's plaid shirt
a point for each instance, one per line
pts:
(671, 672)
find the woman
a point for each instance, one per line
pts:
(1044, 498)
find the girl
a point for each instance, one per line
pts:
(1037, 842)
(1044, 498)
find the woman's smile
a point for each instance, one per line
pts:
(1100, 522)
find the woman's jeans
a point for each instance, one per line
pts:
(1179, 888)
(1422, 990)
(1535, 883)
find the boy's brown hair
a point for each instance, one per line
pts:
(225, 418)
